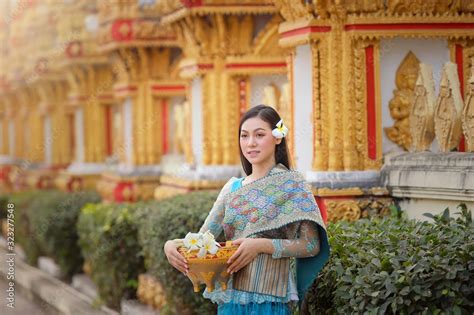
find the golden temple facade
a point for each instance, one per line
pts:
(142, 98)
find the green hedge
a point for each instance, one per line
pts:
(3, 206)
(398, 266)
(169, 219)
(108, 239)
(46, 226)
(24, 232)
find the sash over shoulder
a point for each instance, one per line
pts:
(282, 198)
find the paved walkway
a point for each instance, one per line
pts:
(23, 305)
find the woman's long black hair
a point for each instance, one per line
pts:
(269, 115)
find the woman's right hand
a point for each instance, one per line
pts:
(175, 258)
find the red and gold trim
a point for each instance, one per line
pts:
(167, 89)
(165, 126)
(250, 67)
(301, 32)
(458, 58)
(125, 90)
(189, 68)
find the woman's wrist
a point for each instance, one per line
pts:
(265, 246)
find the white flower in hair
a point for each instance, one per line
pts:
(280, 131)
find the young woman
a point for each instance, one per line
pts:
(273, 217)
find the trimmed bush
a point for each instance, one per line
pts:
(54, 218)
(109, 242)
(398, 266)
(170, 219)
(47, 226)
(3, 206)
(24, 232)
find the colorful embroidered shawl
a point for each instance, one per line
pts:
(282, 198)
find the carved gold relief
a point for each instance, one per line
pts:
(400, 104)
(293, 10)
(352, 210)
(468, 114)
(422, 111)
(448, 110)
(347, 210)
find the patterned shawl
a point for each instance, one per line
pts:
(281, 199)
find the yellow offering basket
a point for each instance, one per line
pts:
(210, 268)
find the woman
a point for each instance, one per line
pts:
(273, 217)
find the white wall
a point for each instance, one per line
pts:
(392, 51)
(48, 141)
(11, 138)
(128, 131)
(303, 109)
(258, 82)
(79, 134)
(172, 103)
(197, 123)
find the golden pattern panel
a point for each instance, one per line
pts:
(354, 209)
(400, 104)
(448, 109)
(293, 10)
(424, 6)
(334, 96)
(468, 114)
(360, 99)
(348, 210)
(351, 156)
(422, 111)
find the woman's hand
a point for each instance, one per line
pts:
(248, 249)
(175, 258)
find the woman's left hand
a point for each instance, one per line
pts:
(248, 249)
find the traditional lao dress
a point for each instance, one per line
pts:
(280, 207)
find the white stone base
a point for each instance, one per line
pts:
(142, 170)
(209, 172)
(82, 282)
(340, 180)
(134, 307)
(49, 266)
(176, 166)
(414, 208)
(86, 168)
(430, 182)
(447, 176)
(6, 159)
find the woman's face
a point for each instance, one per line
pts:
(256, 141)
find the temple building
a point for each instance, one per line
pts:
(141, 99)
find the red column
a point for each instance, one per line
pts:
(371, 110)
(164, 131)
(460, 62)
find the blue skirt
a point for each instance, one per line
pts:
(269, 308)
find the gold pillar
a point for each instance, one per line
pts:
(334, 101)
(147, 123)
(53, 99)
(320, 94)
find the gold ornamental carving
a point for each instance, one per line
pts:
(448, 109)
(468, 114)
(292, 10)
(422, 111)
(400, 104)
(354, 209)
(347, 210)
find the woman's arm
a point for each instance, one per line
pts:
(306, 245)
